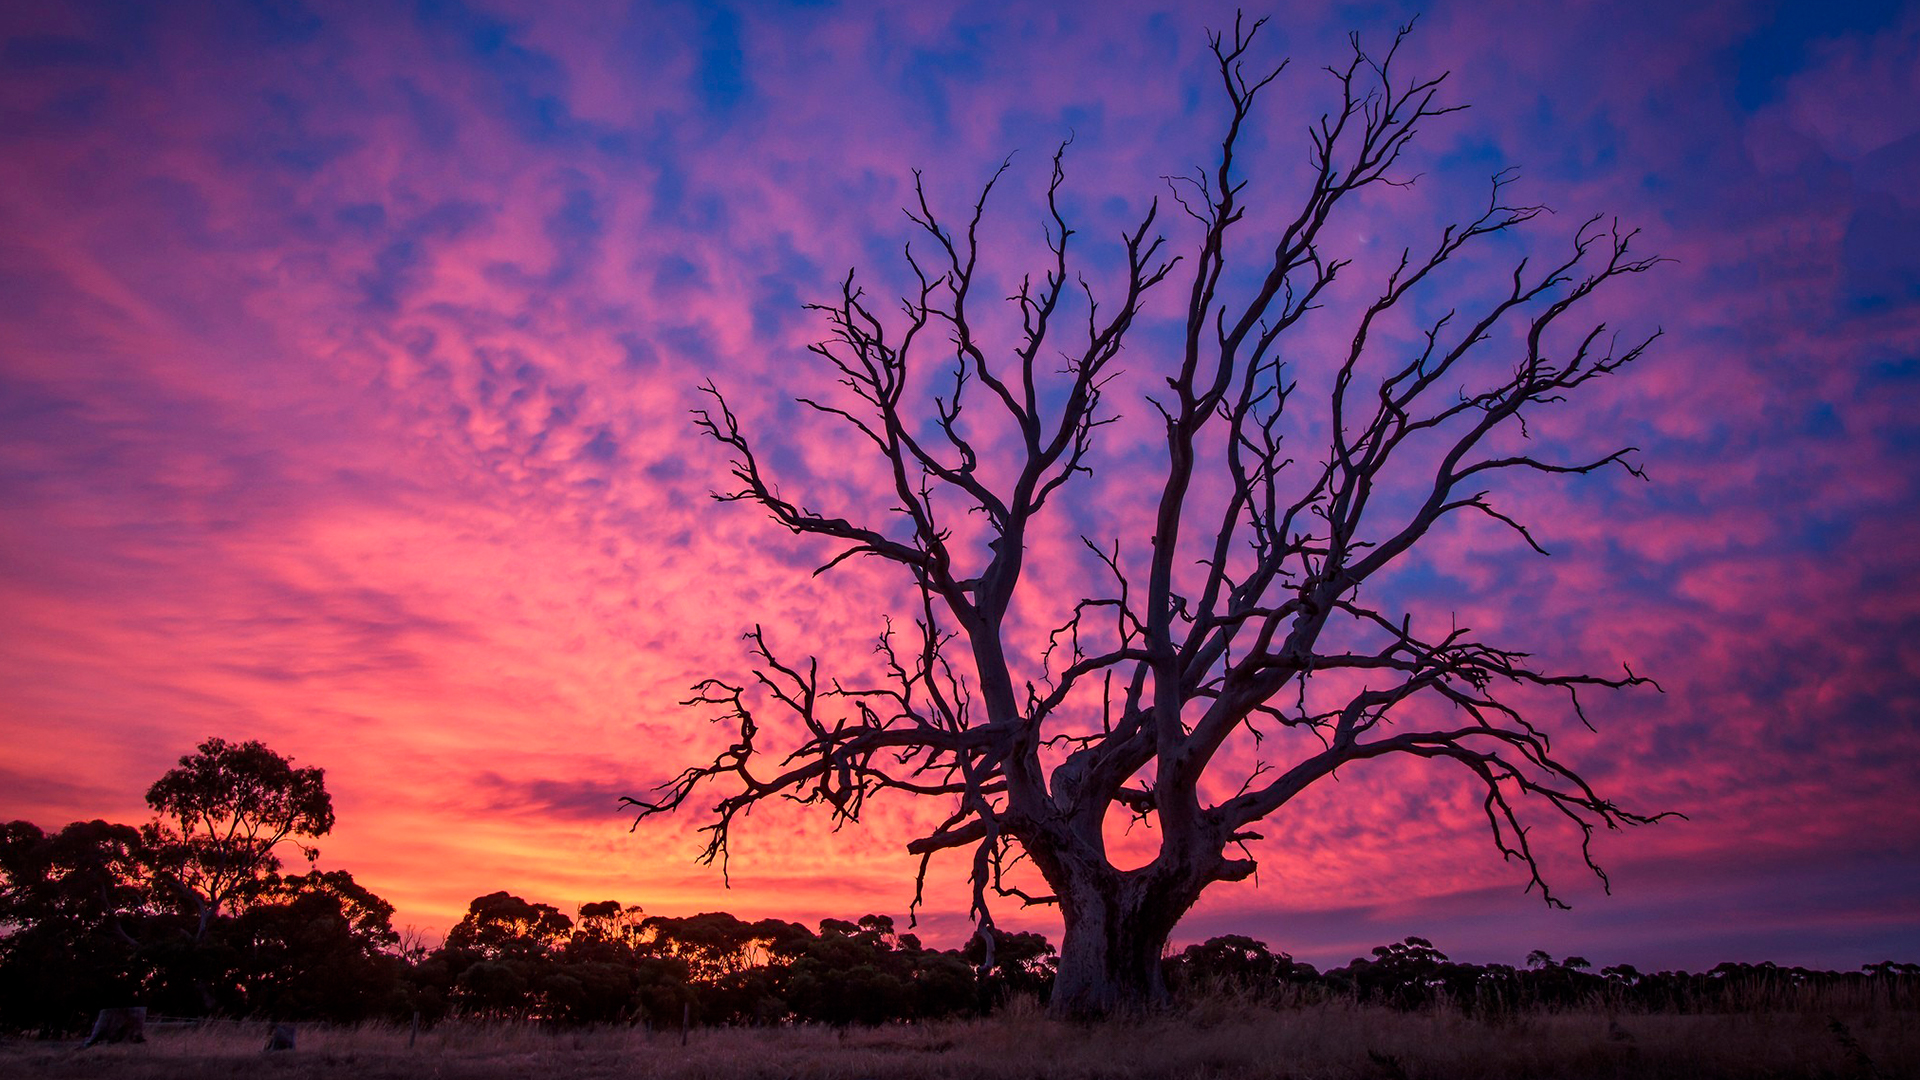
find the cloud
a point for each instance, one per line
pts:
(579, 798)
(346, 357)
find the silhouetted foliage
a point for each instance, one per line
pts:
(70, 904)
(1236, 965)
(501, 926)
(318, 946)
(230, 806)
(1022, 963)
(92, 917)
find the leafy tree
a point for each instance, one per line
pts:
(943, 983)
(864, 972)
(501, 926)
(663, 989)
(607, 930)
(1256, 601)
(190, 912)
(509, 956)
(588, 992)
(1625, 974)
(1019, 963)
(225, 810)
(716, 943)
(494, 987)
(318, 946)
(74, 907)
(1404, 973)
(1238, 964)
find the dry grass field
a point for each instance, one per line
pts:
(1222, 1039)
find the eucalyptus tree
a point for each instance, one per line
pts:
(225, 812)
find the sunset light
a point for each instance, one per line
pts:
(351, 354)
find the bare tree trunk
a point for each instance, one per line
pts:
(1175, 662)
(1116, 931)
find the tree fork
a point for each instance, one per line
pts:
(1175, 667)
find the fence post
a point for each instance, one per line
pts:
(686, 1020)
(414, 1034)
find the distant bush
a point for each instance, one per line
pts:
(91, 917)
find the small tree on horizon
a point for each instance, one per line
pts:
(1242, 610)
(224, 812)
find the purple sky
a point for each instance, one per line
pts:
(346, 352)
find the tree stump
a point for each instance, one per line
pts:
(119, 1025)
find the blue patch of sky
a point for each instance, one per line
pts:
(1166, 38)
(1825, 534)
(31, 51)
(667, 469)
(1898, 373)
(559, 415)
(614, 143)
(689, 342)
(1380, 15)
(279, 136)
(1420, 576)
(880, 251)
(636, 352)
(575, 230)
(63, 113)
(777, 304)
(1898, 378)
(434, 122)
(930, 76)
(364, 217)
(1879, 254)
(272, 22)
(1780, 44)
(676, 273)
(1821, 420)
(780, 298)
(509, 379)
(675, 201)
(669, 190)
(1667, 500)
(720, 77)
(602, 447)
(1590, 146)
(396, 268)
(530, 85)
(54, 78)
(178, 208)
(120, 36)
(1037, 130)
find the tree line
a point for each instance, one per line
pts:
(194, 913)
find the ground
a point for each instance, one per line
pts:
(1220, 1040)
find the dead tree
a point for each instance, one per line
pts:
(1229, 618)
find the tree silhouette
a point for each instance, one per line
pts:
(318, 945)
(232, 805)
(71, 908)
(1241, 612)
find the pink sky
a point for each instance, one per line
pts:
(346, 354)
